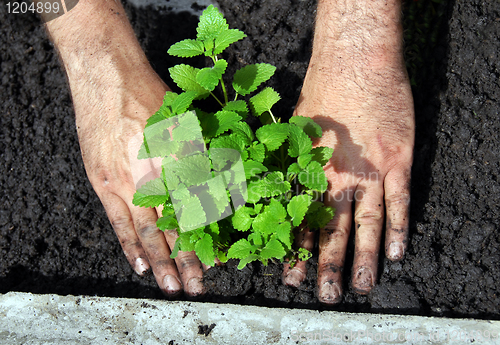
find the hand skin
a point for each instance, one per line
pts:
(357, 89)
(115, 91)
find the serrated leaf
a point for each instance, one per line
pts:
(257, 152)
(167, 223)
(248, 78)
(188, 128)
(308, 125)
(283, 233)
(273, 249)
(322, 154)
(314, 177)
(157, 146)
(253, 168)
(244, 132)
(254, 191)
(151, 194)
(293, 169)
(211, 24)
(240, 249)
(239, 106)
(186, 48)
(192, 214)
(222, 256)
(192, 170)
(208, 77)
(297, 208)
(226, 38)
(304, 159)
(247, 260)
(320, 218)
(185, 77)
(255, 238)
(267, 221)
(264, 101)
(230, 141)
(272, 135)
(183, 101)
(204, 249)
(300, 143)
(175, 251)
(169, 98)
(273, 184)
(242, 219)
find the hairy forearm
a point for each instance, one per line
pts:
(366, 31)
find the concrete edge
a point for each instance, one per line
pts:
(26, 318)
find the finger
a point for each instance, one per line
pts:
(296, 275)
(368, 218)
(397, 203)
(333, 245)
(156, 248)
(189, 267)
(121, 221)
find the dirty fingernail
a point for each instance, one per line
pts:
(363, 280)
(395, 251)
(141, 266)
(293, 278)
(330, 293)
(171, 284)
(195, 286)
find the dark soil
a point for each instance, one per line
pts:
(54, 234)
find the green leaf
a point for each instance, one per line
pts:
(304, 254)
(208, 77)
(186, 48)
(283, 233)
(255, 238)
(314, 177)
(241, 219)
(248, 78)
(247, 260)
(272, 216)
(230, 141)
(308, 125)
(300, 143)
(183, 101)
(264, 100)
(188, 128)
(211, 24)
(320, 218)
(304, 160)
(257, 152)
(204, 249)
(175, 251)
(273, 249)
(244, 132)
(297, 208)
(226, 38)
(192, 170)
(192, 214)
(185, 77)
(253, 168)
(167, 223)
(152, 194)
(272, 135)
(273, 184)
(169, 98)
(322, 154)
(239, 106)
(240, 249)
(293, 169)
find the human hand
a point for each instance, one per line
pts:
(114, 92)
(357, 89)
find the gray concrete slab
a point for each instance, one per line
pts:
(51, 319)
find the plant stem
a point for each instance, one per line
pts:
(271, 113)
(224, 90)
(222, 105)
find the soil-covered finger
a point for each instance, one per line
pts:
(369, 216)
(123, 225)
(397, 201)
(156, 248)
(296, 275)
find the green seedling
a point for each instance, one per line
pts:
(229, 191)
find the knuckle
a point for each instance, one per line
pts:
(147, 231)
(368, 217)
(187, 260)
(337, 230)
(120, 223)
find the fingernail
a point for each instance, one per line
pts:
(141, 266)
(395, 251)
(363, 280)
(330, 293)
(171, 284)
(293, 278)
(195, 286)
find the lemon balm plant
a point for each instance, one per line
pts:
(229, 191)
